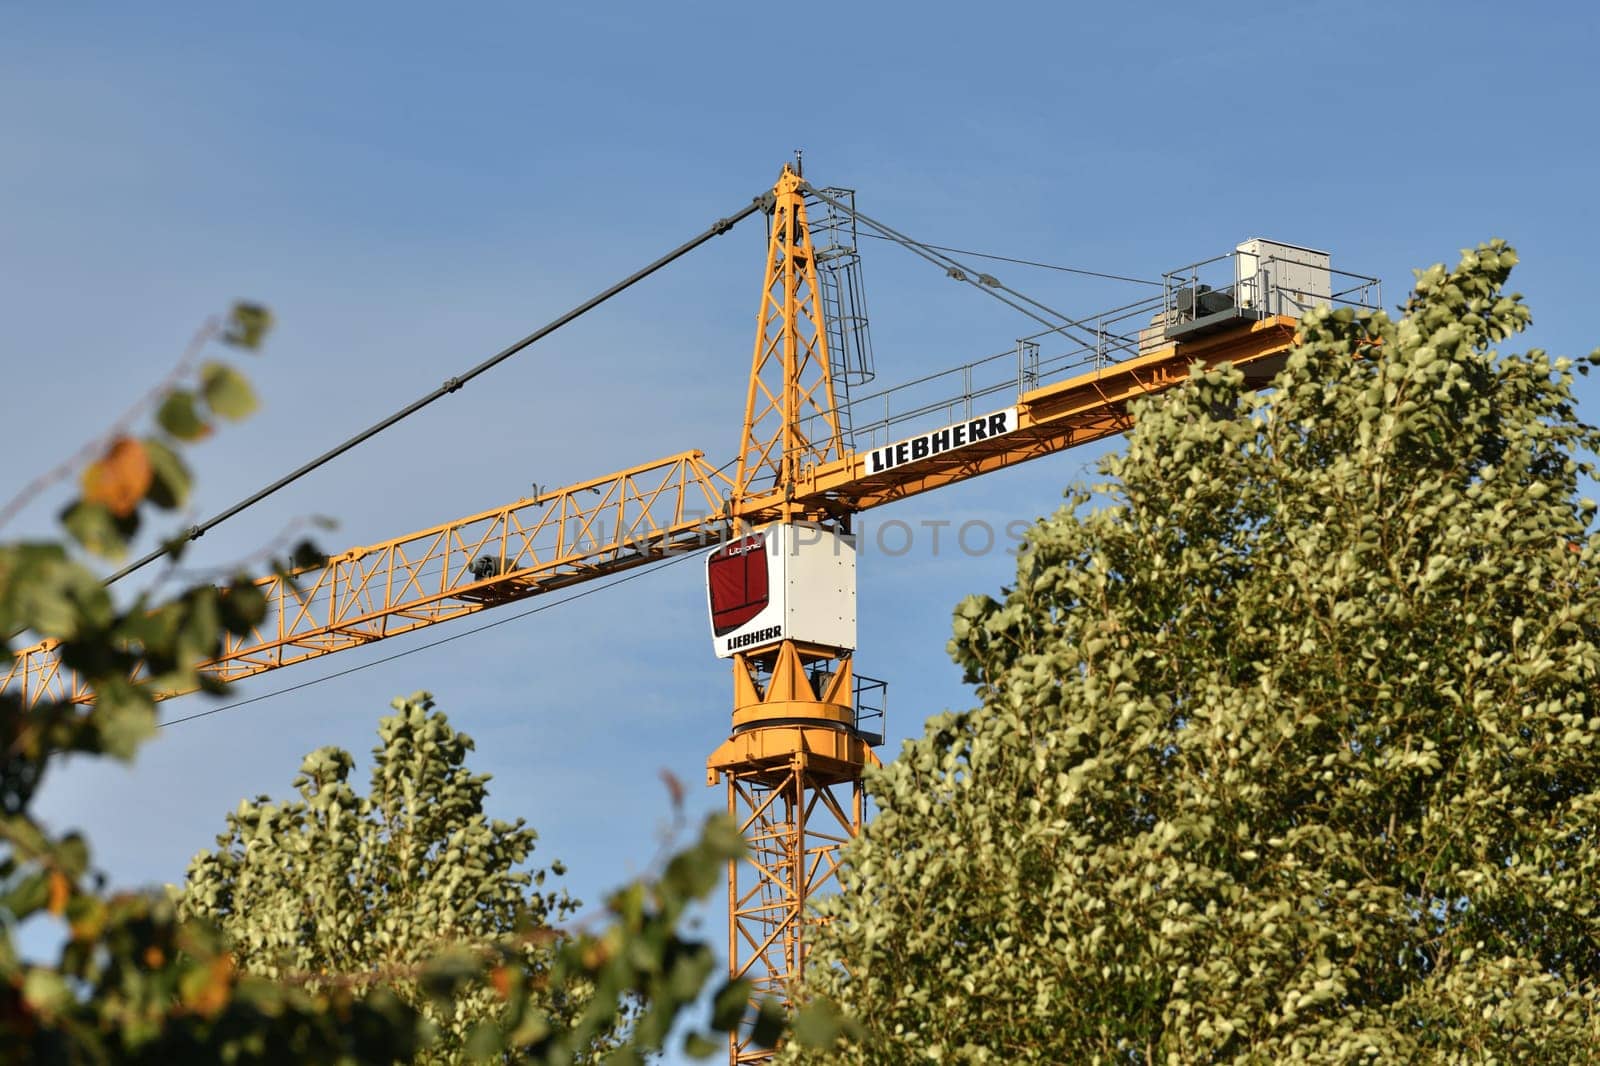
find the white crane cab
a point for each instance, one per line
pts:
(789, 581)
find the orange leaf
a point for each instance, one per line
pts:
(60, 892)
(500, 978)
(120, 478)
(210, 995)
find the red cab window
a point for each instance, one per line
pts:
(737, 579)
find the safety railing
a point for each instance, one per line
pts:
(1266, 286)
(872, 709)
(997, 380)
(1249, 284)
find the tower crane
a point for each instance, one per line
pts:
(781, 575)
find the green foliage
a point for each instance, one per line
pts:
(247, 326)
(337, 883)
(180, 416)
(1287, 752)
(136, 985)
(643, 954)
(226, 391)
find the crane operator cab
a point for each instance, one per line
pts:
(790, 581)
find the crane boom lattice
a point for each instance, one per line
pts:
(592, 529)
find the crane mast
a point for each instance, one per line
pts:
(781, 580)
(792, 767)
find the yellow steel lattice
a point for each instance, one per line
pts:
(591, 529)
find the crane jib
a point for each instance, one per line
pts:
(936, 442)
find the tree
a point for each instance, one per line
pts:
(339, 883)
(1288, 747)
(138, 983)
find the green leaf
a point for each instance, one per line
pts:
(179, 416)
(124, 721)
(247, 326)
(723, 839)
(307, 555)
(226, 391)
(40, 598)
(26, 896)
(170, 482)
(770, 1022)
(446, 974)
(483, 1042)
(698, 1046)
(534, 1027)
(243, 606)
(72, 855)
(98, 530)
(730, 1004)
(818, 1024)
(199, 631)
(45, 991)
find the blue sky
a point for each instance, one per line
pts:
(412, 186)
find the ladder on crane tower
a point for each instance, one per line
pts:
(844, 302)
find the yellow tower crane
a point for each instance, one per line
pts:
(781, 580)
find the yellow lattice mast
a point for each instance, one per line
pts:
(790, 418)
(792, 767)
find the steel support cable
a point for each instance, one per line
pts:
(1128, 310)
(960, 271)
(944, 263)
(1033, 263)
(1148, 303)
(721, 226)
